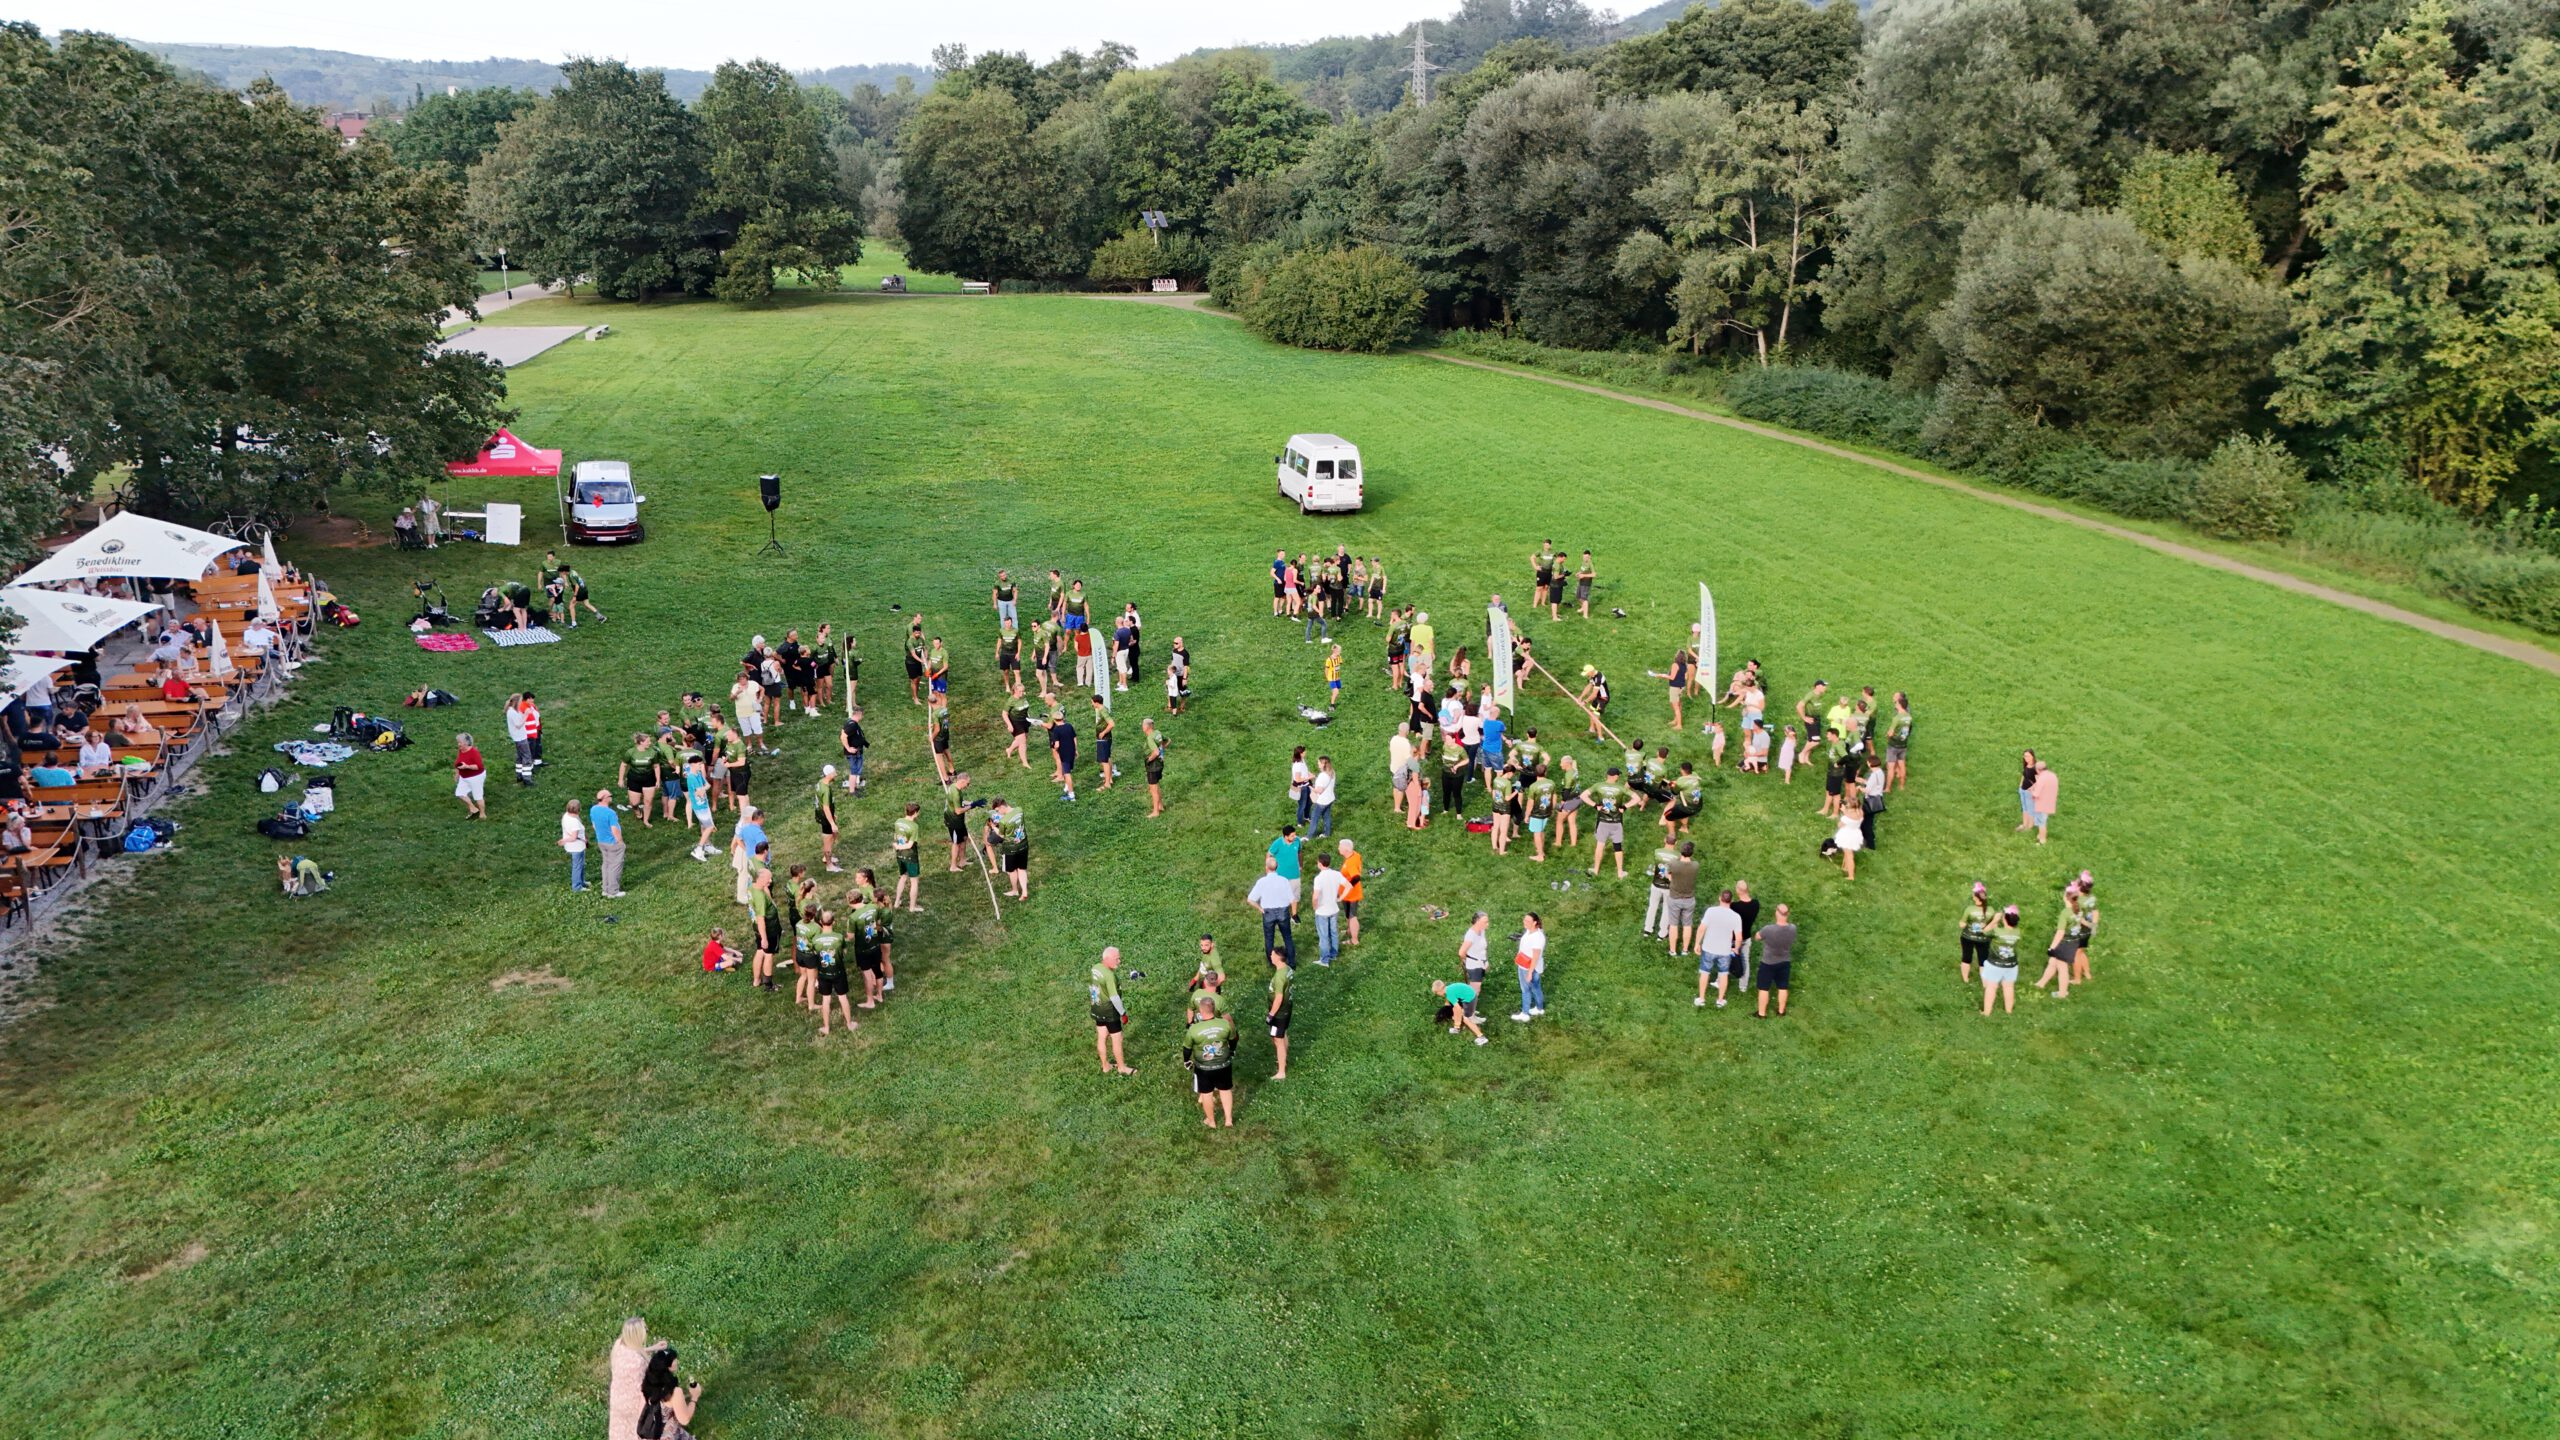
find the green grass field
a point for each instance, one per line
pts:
(2286, 1168)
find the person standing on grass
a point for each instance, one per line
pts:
(470, 778)
(1746, 905)
(1609, 800)
(746, 701)
(1009, 660)
(1416, 795)
(1539, 801)
(2000, 962)
(1173, 680)
(822, 670)
(431, 522)
(1399, 765)
(1688, 797)
(1657, 899)
(915, 659)
(1103, 725)
(1282, 972)
(1110, 1013)
(868, 937)
(955, 816)
(607, 825)
(1531, 963)
(1045, 638)
(1719, 947)
(1008, 835)
(1684, 668)
(1680, 911)
(1504, 790)
(1973, 934)
(1302, 779)
(2085, 930)
(1777, 942)
(1284, 853)
(1002, 596)
(1845, 841)
(1124, 641)
(1458, 1005)
(697, 799)
(1276, 901)
(2027, 768)
(1152, 755)
(765, 910)
(1057, 596)
(906, 842)
(1594, 699)
(1320, 793)
(1353, 867)
(798, 896)
(1475, 949)
(2046, 794)
(514, 713)
(1542, 573)
(1455, 766)
(1897, 744)
(1809, 718)
(1062, 751)
(1333, 677)
(1398, 643)
(826, 817)
(1209, 1053)
(742, 850)
(855, 745)
(1869, 796)
(1208, 977)
(573, 838)
(639, 778)
(835, 991)
(1328, 890)
(1017, 724)
(1582, 579)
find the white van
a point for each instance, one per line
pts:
(602, 508)
(1320, 472)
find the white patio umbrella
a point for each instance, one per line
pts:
(221, 648)
(23, 671)
(133, 546)
(57, 621)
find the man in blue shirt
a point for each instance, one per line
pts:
(51, 775)
(743, 843)
(1489, 749)
(607, 827)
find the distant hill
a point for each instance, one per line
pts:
(337, 80)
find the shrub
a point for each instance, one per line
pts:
(1839, 403)
(1134, 259)
(2520, 586)
(2249, 489)
(2143, 489)
(1652, 369)
(1357, 299)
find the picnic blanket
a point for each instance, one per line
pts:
(536, 635)
(316, 753)
(439, 641)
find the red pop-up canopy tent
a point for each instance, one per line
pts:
(507, 455)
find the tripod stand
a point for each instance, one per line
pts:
(773, 541)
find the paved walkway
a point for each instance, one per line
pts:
(2522, 651)
(510, 344)
(497, 300)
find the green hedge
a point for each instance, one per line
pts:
(1357, 299)
(1842, 404)
(2522, 586)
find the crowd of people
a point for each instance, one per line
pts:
(1463, 744)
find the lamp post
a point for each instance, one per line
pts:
(503, 282)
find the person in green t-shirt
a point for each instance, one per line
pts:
(1809, 715)
(1973, 933)
(1657, 900)
(2084, 930)
(1152, 753)
(1540, 802)
(1505, 789)
(1282, 972)
(1688, 796)
(640, 776)
(2065, 948)
(826, 815)
(1209, 1053)
(2000, 962)
(1458, 1006)
(1110, 1013)
(906, 841)
(1897, 744)
(1609, 802)
(834, 993)
(1207, 978)
(870, 938)
(1009, 837)
(868, 884)
(955, 815)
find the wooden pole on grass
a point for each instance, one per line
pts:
(1577, 700)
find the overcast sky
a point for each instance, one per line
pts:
(802, 34)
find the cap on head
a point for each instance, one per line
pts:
(1981, 889)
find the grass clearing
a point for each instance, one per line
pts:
(2285, 1169)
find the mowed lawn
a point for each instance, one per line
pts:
(2285, 1168)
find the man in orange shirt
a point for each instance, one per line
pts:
(1352, 869)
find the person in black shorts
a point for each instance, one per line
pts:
(1746, 906)
(826, 815)
(1103, 725)
(955, 815)
(798, 676)
(1009, 659)
(1283, 1003)
(1153, 749)
(1777, 962)
(915, 660)
(1209, 1050)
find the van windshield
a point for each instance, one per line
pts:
(604, 492)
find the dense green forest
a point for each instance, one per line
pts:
(337, 80)
(2273, 267)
